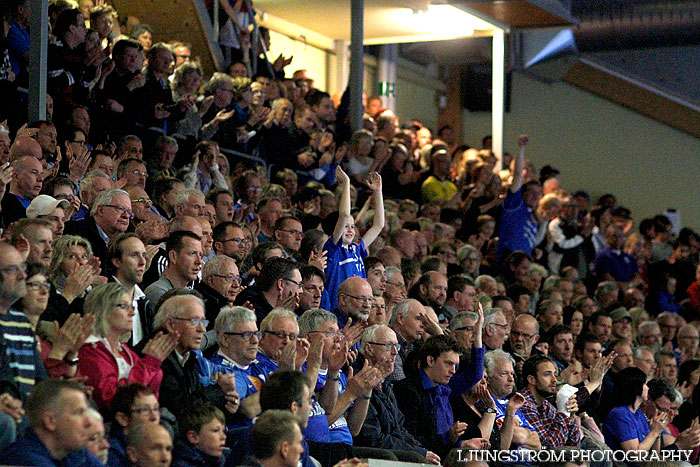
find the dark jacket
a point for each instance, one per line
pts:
(384, 424)
(117, 448)
(12, 209)
(181, 386)
(416, 405)
(255, 296)
(87, 228)
(187, 455)
(213, 302)
(30, 451)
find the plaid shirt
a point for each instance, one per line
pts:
(555, 429)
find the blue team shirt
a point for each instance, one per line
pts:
(623, 425)
(343, 263)
(518, 225)
(338, 431)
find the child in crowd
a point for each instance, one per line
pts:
(344, 256)
(203, 437)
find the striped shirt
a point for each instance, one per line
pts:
(20, 351)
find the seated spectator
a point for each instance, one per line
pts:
(500, 376)
(50, 209)
(312, 279)
(277, 439)
(626, 427)
(24, 187)
(97, 443)
(495, 329)
(407, 325)
(553, 427)
(132, 405)
(220, 284)
(183, 316)
(38, 233)
(21, 362)
(203, 437)
(149, 444)
(384, 424)
(279, 285)
(613, 264)
(279, 330)
(59, 426)
(105, 359)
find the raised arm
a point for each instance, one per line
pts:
(344, 206)
(519, 163)
(374, 182)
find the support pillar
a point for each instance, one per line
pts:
(38, 50)
(356, 64)
(498, 72)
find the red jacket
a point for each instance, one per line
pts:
(694, 301)
(100, 366)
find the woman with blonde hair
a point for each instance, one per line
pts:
(72, 271)
(105, 358)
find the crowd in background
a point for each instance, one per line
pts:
(214, 269)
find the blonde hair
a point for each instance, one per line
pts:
(100, 303)
(61, 249)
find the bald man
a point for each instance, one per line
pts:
(25, 146)
(354, 301)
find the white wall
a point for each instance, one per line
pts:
(601, 147)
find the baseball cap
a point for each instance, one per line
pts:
(44, 205)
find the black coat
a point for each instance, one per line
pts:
(213, 302)
(181, 386)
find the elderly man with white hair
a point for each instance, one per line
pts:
(384, 424)
(408, 326)
(239, 340)
(495, 329)
(110, 215)
(500, 376)
(181, 386)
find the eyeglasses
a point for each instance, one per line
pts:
(397, 284)
(296, 233)
(466, 328)
(145, 201)
(282, 335)
(502, 326)
(255, 188)
(139, 173)
(142, 410)
(11, 270)
(237, 240)
(36, 285)
(362, 300)
(248, 335)
(516, 334)
(229, 278)
(121, 210)
(329, 334)
(388, 345)
(196, 321)
(298, 284)
(124, 306)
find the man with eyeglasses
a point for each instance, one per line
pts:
(132, 405)
(660, 398)
(461, 296)
(288, 232)
(184, 252)
(22, 368)
(182, 384)
(279, 285)
(219, 286)
(279, 329)
(110, 216)
(354, 301)
(395, 288)
(524, 334)
(384, 424)
(239, 340)
(134, 171)
(142, 205)
(229, 240)
(495, 329)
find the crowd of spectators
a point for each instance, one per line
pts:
(211, 270)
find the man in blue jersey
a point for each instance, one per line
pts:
(518, 223)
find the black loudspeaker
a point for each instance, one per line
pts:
(476, 88)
